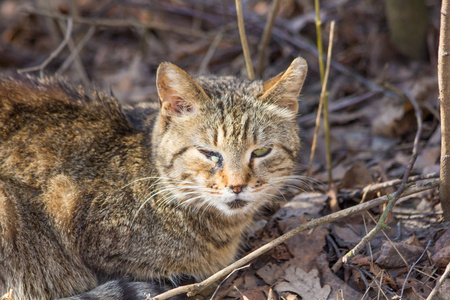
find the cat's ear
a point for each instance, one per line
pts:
(178, 92)
(283, 89)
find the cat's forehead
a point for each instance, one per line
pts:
(220, 86)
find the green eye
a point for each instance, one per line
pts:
(261, 152)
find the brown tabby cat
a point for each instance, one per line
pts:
(93, 194)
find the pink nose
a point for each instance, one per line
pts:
(237, 188)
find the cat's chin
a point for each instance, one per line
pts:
(237, 204)
(236, 207)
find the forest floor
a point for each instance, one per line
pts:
(119, 44)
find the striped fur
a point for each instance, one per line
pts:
(96, 201)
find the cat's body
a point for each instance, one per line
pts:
(90, 192)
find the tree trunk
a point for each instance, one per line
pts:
(444, 97)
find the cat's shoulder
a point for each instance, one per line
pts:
(46, 95)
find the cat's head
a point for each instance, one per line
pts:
(226, 144)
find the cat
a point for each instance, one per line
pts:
(97, 200)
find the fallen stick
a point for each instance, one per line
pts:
(193, 289)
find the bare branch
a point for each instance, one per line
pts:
(194, 289)
(248, 58)
(266, 36)
(444, 97)
(61, 46)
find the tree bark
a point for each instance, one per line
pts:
(444, 98)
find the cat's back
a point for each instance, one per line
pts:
(30, 101)
(48, 127)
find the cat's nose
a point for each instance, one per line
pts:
(237, 188)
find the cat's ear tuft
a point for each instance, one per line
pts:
(178, 92)
(283, 89)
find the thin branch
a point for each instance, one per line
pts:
(266, 36)
(341, 104)
(412, 268)
(75, 52)
(61, 46)
(245, 49)
(392, 200)
(321, 102)
(228, 276)
(121, 23)
(194, 289)
(391, 183)
(209, 54)
(439, 283)
(78, 63)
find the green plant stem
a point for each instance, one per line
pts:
(326, 121)
(319, 40)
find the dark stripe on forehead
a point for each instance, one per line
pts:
(245, 129)
(215, 137)
(255, 136)
(224, 128)
(175, 156)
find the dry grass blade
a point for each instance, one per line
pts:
(266, 36)
(392, 199)
(194, 289)
(321, 102)
(245, 48)
(441, 280)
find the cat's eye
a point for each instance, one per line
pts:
(213, 156)
(261, 152)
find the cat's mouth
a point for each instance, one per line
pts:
(237, 203)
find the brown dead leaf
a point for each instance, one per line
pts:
(345, 235)
(338, 286)
(395, 120)
(361, 260)
(306, 285)
(254, 294)
(410, 250)
(303, 204)
(442, 258)
(296, 245)
(443, 241)
(358, 176)
(414, 288)
(427, 159)
(271, 272)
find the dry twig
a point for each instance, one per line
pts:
(122, 23)
(75, 52)
(319, 109)
(245, 49)
(392, 200)
(266, 36)
(61, 46)
(193, 289)
(412, 267)
(439, 283)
